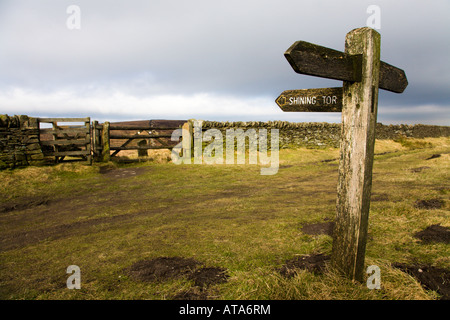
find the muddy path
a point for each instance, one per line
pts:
(115, 197)
(31, 219)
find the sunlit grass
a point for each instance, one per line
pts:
(227, 216)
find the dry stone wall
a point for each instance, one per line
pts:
(19, 135)
(322, 134)
(19, 142)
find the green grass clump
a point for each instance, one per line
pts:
(413, 143)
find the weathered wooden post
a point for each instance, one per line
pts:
(87, 124)
(359, 118)
(142, 151)
(363, 73)
(105, 142)
(94, 140)
(188, 140)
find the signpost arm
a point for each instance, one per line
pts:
(359, 116)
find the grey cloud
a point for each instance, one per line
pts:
(223, 47)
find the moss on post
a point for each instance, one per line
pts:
(105, 143)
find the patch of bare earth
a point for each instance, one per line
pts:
(434, 233)
(23, 203)
(166, 268)
(313, 263)
(431, 278)
(208, 276)
(429, 204)
(122, 172)
(203, 279)
(162, 268)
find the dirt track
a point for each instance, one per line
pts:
(33, 211)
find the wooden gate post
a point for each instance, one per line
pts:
(95, 141)
(105, 142)
(188, 141)
(359, 116)
(89, 157)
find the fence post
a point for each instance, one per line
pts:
(187, 140)
(89, 157)
(105, 142)
(142, 151)
(196, 146)
(95, 140)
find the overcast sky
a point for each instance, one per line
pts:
(211, 60)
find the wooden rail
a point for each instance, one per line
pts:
(70, 130)
(65, 142)
(55, 120)
(140, 148)
(120, 127)
(124, 136)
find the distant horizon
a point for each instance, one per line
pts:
(179, 119)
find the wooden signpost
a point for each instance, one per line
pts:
(363, 73)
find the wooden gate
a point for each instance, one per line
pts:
(72, 141)
(141, 136)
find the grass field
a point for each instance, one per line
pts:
(108, 219)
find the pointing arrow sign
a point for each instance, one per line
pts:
(314, 60)
(311, 100)
(392, 78)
